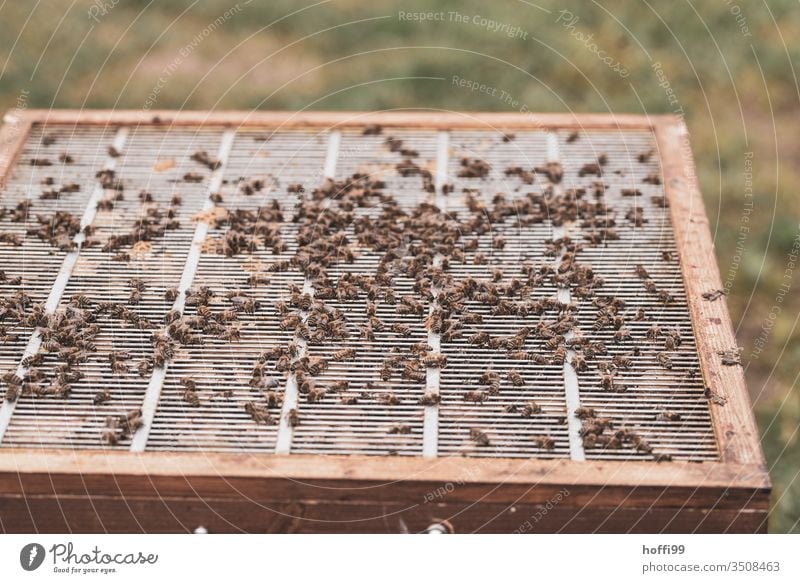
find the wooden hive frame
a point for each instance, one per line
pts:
(97, 491)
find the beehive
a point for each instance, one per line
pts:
(490, 322)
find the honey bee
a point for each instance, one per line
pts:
(662, 457)
(409, 305)
(675, 335)
(188, 383)
(479, 437)
(607, 381)
(554, 342)
(559, 355)
(348, 400)
(290, 322)
(553, 171)
(653, 332)
(429, 399)
(476, 396)
(344, 354)
(399, 429)
(472, 318)
(259, 413)
(191, 398)
(591, 168)
(386, 372)
(732, 357)
(316, 365)
(479, 338)
(33, 360)
(231, 334)
(80, 301)
(293, 418)
(387, 399)
(669, 416)
(367, 333)
(665, 297)
(578, 362)
(434, 360)
(664, 360)
(515, 378)
(339, 386)
(622, 362)
(545, 442)
(622, 335)
(401, 329)
(530, 409)
(145, 366)
(100, 397)
(273, 398)
(315, 394)
(283, 363)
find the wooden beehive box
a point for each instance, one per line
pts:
(562, 265)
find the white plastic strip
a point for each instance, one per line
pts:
(64, 273)
(430, 423)
(571, 388)
(442, 158)
(154, 387)
(283, 443)
(332, 156)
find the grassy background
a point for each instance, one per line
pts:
(737, 87)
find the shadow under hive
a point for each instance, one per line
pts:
(365, 322)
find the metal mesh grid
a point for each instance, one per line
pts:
(37, 262)
(141, 167)
(653, 392)
(664, 407)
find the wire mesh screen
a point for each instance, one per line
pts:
(381, 291)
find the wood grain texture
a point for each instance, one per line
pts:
(13, 133)
(734, 422)
(421, 118)
(391, 479)
(182, 515)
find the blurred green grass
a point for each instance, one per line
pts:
(739, 93)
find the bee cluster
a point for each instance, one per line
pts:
(69, 344)
(382, 278)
